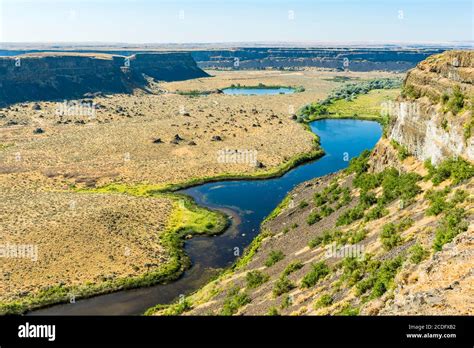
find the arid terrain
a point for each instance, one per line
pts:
(64, 165)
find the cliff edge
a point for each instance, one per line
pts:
(52, 76)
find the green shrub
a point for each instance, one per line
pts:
(380, 279)
(399, 185)
(410, 92)
(459, 196)
(324, 301)
(234, 301)
(368, 181)
(319, 270)
(357, 236)
(385, 276)
(313, 243)
(360, 164)
(348, 311)
(303, 204)
(292, 267)
(282, 285)
(390, 235)
(313, 218)
(326, 211)
(256, 278)
(346, 196)
(351, 215)
(319, 199)
(402, 150)
(274, 257)
(286, 302)
(417, 253)
(438, 202)
(353, 270)
(272, 311)
(368, 198)
(457, 170)
(453, 223)
(455, 103)
(444, 98)
(376, 212)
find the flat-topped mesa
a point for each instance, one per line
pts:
(51, 76)
(433, 118)
(165, 66)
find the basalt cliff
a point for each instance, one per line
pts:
(60, 75)
(390, 235)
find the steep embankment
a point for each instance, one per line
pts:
(387, 236)
(49, 76)
(433, 118)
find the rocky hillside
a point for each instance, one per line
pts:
(389, 235)
(50, 76)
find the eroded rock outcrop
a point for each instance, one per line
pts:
(433, 117)
(49, 76)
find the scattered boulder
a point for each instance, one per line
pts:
(216, 138)
(38, 131)
(259, 164)
(157, 141)
(176, 139)
(36, 106)
(192, 143)
(11, 123)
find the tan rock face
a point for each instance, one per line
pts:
(442, 285)
(423, 124)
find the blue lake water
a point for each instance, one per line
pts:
(248, 202)
(258, 91)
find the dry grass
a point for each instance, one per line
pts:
(80, 238)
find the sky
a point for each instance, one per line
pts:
(210, 21)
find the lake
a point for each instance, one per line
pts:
(258, 91)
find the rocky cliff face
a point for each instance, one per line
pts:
(52, 76)
(433, 118)
(353, 59)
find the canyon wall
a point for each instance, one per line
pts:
(389, 58)
(433, 117)
(49, 76)
(352, 59)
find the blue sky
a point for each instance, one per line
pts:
(185, 21)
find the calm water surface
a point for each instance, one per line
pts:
(258, 91)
